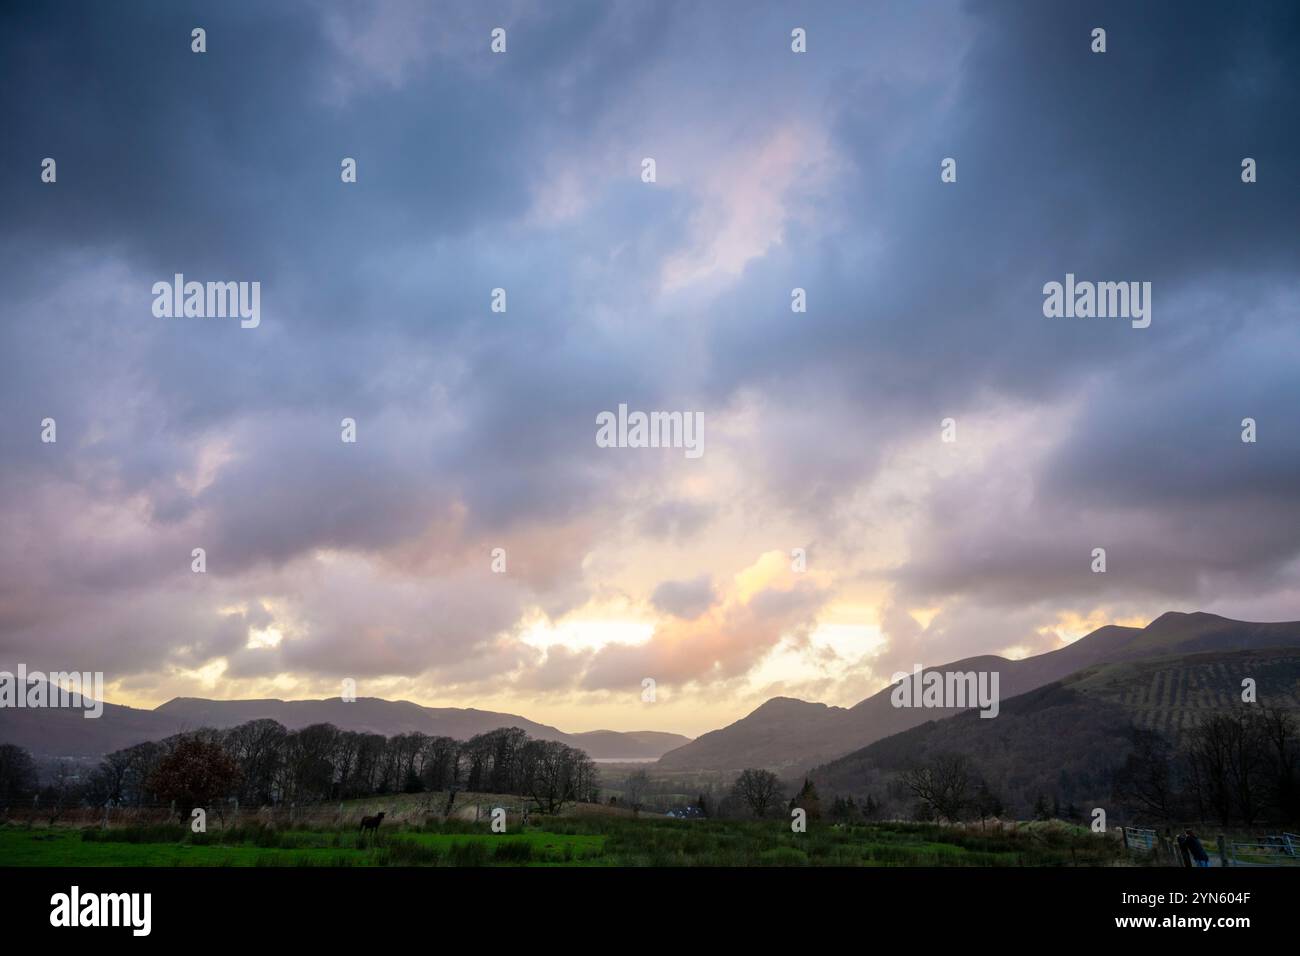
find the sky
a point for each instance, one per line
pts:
(476, 429)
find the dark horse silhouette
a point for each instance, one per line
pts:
(372, 823)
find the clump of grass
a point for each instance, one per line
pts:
(783, 856)
(468, 854)
(146, 833)
(404, 852)
(255, 834)
(515, 851)
(455, 826)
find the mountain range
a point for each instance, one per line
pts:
(784, 734)
(66, 733)
(790, 736)
(1067, 738)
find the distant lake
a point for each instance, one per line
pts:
(624, 759)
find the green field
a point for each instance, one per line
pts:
(569, 841)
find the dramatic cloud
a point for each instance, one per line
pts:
(828, 536)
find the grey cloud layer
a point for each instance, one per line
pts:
(924, 300)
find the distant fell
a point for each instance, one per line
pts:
(790, 735)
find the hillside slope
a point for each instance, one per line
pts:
(798, 735)
(1067, 738)
(66, 733)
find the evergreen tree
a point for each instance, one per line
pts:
(1041, 810)
(808, 800)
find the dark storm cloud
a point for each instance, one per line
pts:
(521, 172)
(1117, 166)
(1154, 470)
(226, 165)
(1121, 165)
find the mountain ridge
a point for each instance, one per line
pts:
(812, 734)
(55, 732)
(1097, 707)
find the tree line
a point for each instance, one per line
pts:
(262, 763)
(1242, 766)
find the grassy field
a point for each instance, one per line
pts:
(565, 841)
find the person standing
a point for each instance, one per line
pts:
(1198, 852)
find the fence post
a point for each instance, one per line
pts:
(1223, 851)
(1123, 832)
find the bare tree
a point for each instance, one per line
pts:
(258, 747)
(1227, 760)
(1280, 737)
(944, 785)
(634, 790)
(556, 774)
(1145, 782)
(62, 793)
(441, 766)
(759, 790)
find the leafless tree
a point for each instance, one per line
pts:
(62, 793)
(441, 764)
(258, 747)
(634, 790)
(944, 785)
(760, 790)
(1226, 757)
(1280, 736)
(1145, 782)
(557, 774)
